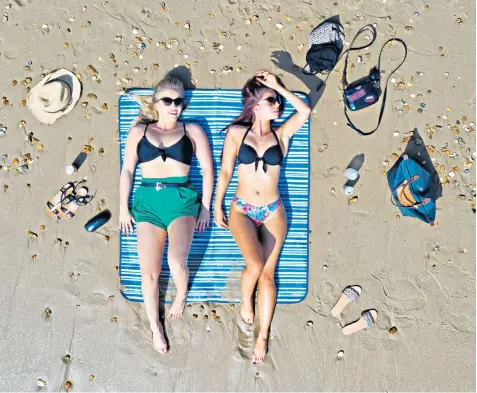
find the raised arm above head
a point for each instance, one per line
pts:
(296, 121)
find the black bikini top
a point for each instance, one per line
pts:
(272, 156)
(180, 151)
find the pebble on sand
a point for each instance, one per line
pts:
(393, 330)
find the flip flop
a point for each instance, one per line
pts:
(350, 294)
(55, 203)
(367, 321)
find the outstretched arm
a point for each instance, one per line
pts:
(229, 154)
(126, 178)
(204, 156)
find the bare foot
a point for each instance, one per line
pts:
(177, 307)
(246, 313)
(260, 350)
(158, 340)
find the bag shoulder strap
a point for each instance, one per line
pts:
(371, 28)
(383, 103)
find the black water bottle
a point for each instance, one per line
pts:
(98, 220)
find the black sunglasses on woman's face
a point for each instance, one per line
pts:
(168, 101)
(272, 101)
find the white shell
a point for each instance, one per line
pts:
(279, 26)
(340, 354)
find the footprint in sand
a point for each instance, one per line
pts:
(31, 42)
(371, 343)
(79, 48)
(22, 3)
(97, 298)
(461, 322)
(83, 265)
(152, 371)
(105, 29)
(401, 296)
(245, 339)
(323, 298)
(403, 321)
(450, 269)
(331, 171)
(323, 146)
(179, 333)
(441, 299)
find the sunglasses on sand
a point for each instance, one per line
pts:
(272, 101)
(168, 101)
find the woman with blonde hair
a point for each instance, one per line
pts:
(257, 217)
(166, 203)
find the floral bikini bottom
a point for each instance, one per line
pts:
(258, 214)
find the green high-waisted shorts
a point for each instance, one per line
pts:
(161, 207)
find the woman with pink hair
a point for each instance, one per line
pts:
(257, 218)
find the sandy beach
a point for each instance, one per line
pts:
(63, 316)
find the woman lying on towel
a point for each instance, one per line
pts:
(257, 218)
(166, 203)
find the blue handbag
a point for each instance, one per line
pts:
(413, 190)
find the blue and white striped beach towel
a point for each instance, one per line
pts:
(215, 262)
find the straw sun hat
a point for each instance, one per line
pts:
(54, 96)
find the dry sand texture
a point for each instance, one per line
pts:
(420, 279)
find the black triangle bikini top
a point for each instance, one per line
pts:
(180, 151)
(272, 156)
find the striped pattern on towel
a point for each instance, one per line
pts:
(215, 261)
